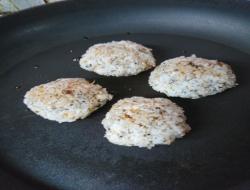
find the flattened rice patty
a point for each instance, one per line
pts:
(66, 100)
(145, 122)
(192, 77)
(117, 58)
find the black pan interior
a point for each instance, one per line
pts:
(44, 44)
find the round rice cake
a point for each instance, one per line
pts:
(117, 58)
(192, 77)
(145, 122)
(66, 100)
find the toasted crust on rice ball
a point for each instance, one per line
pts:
(117, 58)
(192, 77)
(145, 122)
(66, 100)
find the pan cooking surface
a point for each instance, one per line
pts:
(214, 155)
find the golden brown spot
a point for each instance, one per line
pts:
(134, 110)
(70, 92)
(220, 63)
(128, 117)
(155, 118)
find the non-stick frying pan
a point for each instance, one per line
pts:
(43, 44)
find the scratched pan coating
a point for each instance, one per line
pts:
(43, 44)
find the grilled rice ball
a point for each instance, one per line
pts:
(192, 77)
(66, 100)
(117, 58)
(145, 122)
